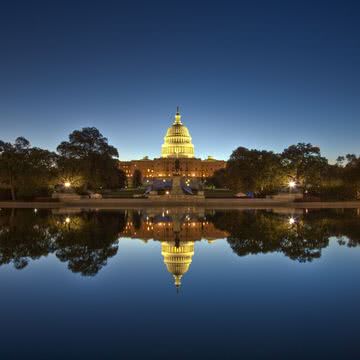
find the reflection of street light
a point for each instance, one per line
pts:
(67, 184)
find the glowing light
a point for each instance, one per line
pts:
(167, 192)
(35, 211)
(67, 220)
(292, 184)
(292, 220)
(67, 184)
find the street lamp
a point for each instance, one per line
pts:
(67, 184)
(292, 184)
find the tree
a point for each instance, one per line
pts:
(352, 174)
(137, 178)
(219, 179)
(122, 179)
(304, 164)
(254, 170)
(25, 169)
(87, 153)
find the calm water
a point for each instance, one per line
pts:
(179, 283)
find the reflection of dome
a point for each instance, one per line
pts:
(177, 141)
(177, 258)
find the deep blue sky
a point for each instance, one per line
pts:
(260, 74)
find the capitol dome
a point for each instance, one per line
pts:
(177, 141)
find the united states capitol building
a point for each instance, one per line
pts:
(177, 146)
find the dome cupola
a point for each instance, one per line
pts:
(177, 141)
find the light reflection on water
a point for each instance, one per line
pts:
(266, 281)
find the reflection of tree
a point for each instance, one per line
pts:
(88, 240)
(305, 240)
(253, 232)
(24, 235)
(136, 219)
(345, 225)
(84, 240)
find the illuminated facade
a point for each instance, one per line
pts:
(177, 146)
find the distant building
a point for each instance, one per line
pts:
(177, 145)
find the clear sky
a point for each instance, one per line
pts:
(259, 74)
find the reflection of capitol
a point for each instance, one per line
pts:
(177, 232)
(177, 258)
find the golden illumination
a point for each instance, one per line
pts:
(177, 141)
(177, 258)
(67, 184)
(292, 184)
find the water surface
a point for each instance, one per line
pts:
(179, 283)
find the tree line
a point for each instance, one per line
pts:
(300, 166)
(86, 161)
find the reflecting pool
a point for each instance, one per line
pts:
(179, 283)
